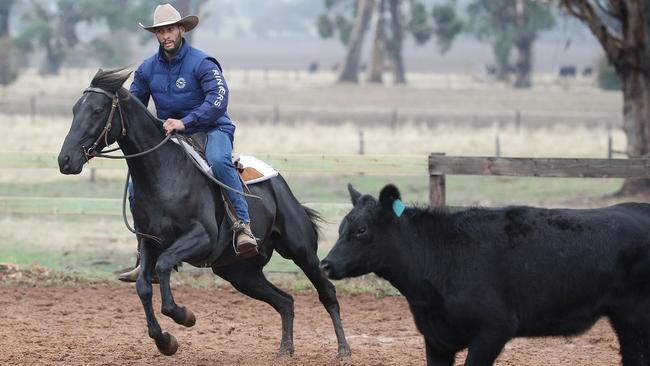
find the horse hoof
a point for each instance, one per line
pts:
(344, 360)
(190, 319)
(171, 345)
(285, 352)
(344, 353)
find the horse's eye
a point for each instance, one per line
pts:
(362, 230)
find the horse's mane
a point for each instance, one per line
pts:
(111, 80)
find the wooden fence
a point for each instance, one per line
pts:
(390, 165)
(441, 165)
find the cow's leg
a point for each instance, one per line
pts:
(165, 342)
(634, 340)
(192, 244)
(437, 358)
(309, 262)
(485, 348)
(249, 280)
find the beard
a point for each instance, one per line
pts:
(177, 46)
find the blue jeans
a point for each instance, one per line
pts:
(218, 152)
(219, 155)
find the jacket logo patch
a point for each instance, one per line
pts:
(180, 83)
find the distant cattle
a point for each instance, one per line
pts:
(478, 277)
(568, 71)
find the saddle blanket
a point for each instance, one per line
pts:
(251, 169)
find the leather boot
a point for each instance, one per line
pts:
(246, 245)
(132, 275)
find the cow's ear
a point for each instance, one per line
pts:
(354, 194)
(388, 195)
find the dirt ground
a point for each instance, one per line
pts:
(103, 324)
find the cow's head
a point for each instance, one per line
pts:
(367, 235)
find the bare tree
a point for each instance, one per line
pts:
(395, 41)
(5, 11)
(350, 70)
(376, 67)
(623, 29)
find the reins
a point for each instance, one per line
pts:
(91, 152)
(115, 104)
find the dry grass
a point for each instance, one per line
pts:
(47, 135)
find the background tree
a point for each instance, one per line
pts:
(8, 69)
(623, 29)
(337, 20)
(54, 29)
(376, 65)
(422, 25)
(349, 20)
(510, 24)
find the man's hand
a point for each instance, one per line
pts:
(172, 125)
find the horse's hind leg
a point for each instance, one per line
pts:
(251, 281)
(309, 263)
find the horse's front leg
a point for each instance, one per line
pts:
(165, 342)
(193, 244)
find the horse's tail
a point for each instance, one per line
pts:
(315, 218)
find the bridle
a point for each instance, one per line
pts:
(115, 104)
(91, 152)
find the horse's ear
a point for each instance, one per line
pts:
(354, 194)
(388, 195)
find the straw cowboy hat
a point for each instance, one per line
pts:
(168, 15)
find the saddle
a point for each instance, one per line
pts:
(250, 169)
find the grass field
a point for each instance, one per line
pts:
(68, 222)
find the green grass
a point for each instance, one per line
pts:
(99, 263)
(461, 190)
(312, 190)
(89, 263)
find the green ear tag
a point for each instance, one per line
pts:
(398, 207)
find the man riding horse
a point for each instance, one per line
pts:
(191, 95)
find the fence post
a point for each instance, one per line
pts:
(436, 186)
(517, 120)
(276, 113)
(393, 119)
(361, 143)
(498, 147)
(32, 109)
(609, 146)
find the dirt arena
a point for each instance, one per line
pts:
(103, 324)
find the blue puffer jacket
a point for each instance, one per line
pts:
(190, 87)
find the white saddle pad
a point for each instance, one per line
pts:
(246, 160)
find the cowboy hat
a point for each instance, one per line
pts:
(168, 15)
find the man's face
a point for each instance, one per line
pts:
(170, 37)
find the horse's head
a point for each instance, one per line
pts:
(96, 121)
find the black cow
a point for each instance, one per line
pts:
(478, 277)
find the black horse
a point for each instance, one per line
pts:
(177, 203)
